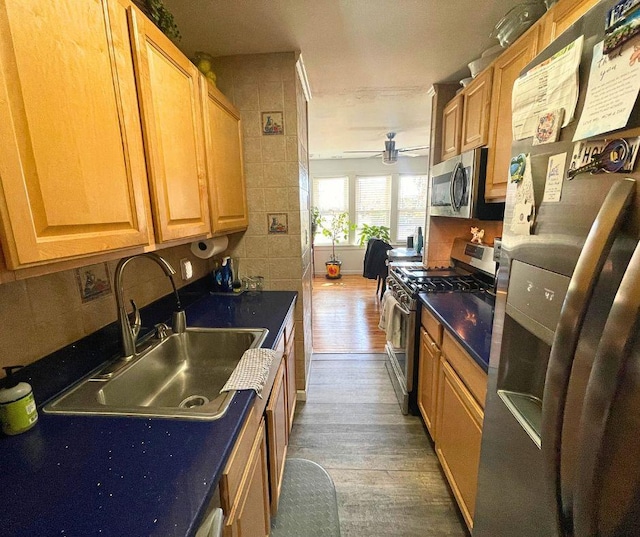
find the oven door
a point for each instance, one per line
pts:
(400, 348)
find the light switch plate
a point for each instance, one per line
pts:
(186, 269)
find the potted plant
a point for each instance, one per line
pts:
(368, 232)
(337, 229)
(316, 222)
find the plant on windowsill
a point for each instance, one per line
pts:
(337, 229)
(368, 232)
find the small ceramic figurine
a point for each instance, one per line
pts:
(477, 235)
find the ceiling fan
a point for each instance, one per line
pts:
(390, 153)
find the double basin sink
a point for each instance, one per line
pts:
(179, 376)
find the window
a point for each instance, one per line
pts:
(330, 195)
(412, 195)
(398, 201)
(373, 202)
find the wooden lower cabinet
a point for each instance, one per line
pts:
(244, 486)
(428, 371)
(459, 433)
(290, 363)
(277, 434)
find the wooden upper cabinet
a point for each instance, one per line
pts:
(70, 132)
(225, 169)
(172, 120)
(506, 70)
(562, 15)
(475, 117)
(451, 127)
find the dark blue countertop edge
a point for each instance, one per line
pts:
(475, 343)
(82, 475)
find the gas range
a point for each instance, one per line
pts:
(472, 271)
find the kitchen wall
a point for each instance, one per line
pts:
(43, 314)
(277, 173)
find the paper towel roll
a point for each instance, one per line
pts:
(209, 247)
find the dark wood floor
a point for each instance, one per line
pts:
(386, 473)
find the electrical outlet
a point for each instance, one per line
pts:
(186, 269)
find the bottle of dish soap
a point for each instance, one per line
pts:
(18, 411)
(226, 272)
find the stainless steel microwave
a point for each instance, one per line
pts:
(457, 188)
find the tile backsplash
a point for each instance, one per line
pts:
(43, 314)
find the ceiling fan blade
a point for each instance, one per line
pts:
(414, 148)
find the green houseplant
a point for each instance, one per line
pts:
(336, 229)
(368, 232)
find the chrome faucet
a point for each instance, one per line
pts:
(130, 333)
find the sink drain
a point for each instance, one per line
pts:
(193, 400)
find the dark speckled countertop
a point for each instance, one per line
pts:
(119, 476)
(468, 318)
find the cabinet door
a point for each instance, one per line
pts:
(250, 516)
(428, 381)
(506, 70)
(70, 132)
(225, 170)
(475, 116)
(278, 435)
(459, 426)
(171, 105)
(562, 15)
(451, 123)
(290, 362)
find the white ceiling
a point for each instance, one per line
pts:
(370, 63)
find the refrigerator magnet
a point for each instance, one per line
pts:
(548, 127)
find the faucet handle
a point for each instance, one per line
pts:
(134, 320)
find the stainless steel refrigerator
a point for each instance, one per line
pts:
(561, 439)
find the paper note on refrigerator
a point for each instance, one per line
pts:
(614, 82)
(555, 177)
(550, 85)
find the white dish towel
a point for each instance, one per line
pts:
(251, 372)
(385, 309)
(395, 325)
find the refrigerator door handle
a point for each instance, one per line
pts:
(590, 262)
(604, 382)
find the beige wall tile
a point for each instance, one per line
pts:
(273, 148)
(98, 313)
(253, 173)
(58, 331)
(253, 150)
(275, 174)
(291, 148)
(18, 339)
(276, 199)
(255, 199)
(247, 97)
(250, 124)
(272, 97)
(257, 225)
(53, 294)
(285, 268)
(257, 246)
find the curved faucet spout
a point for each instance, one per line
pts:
(129, 334)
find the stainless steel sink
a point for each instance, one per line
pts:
(180, 376)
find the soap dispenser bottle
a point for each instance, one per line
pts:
(18, 411)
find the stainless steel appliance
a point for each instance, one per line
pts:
(561, 432)
(472, 271)
(457, 188)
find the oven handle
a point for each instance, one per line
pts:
(403, 310)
